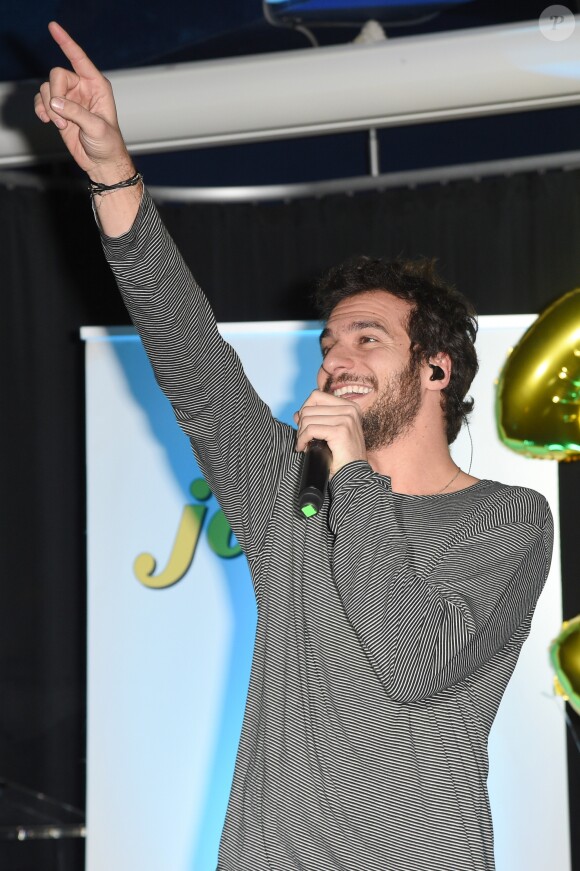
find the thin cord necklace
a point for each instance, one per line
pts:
(449, 483)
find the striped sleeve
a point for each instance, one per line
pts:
(424, 632)
(240, 447)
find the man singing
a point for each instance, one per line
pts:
(389, 623)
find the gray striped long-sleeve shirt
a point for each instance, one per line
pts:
(388, 625)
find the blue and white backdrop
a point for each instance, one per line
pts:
(172, 617)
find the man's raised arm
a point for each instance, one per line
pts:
(80, 102)
(198, 371)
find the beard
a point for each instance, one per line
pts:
(394, 410)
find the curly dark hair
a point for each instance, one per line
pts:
(441, 319)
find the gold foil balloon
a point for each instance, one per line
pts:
(565, 656)
(538, 395)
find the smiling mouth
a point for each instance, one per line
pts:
(351, 390)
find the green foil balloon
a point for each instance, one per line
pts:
(565, 656)
(538, 394)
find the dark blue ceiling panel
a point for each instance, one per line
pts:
(117, 35)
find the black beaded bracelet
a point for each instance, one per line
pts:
(96, 188)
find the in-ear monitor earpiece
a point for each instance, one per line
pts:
(438, 373)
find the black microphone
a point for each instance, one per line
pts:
(314, 478)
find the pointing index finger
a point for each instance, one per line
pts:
(81, 63)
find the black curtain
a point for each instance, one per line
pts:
(510, 244)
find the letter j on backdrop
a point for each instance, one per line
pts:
(219, 535)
